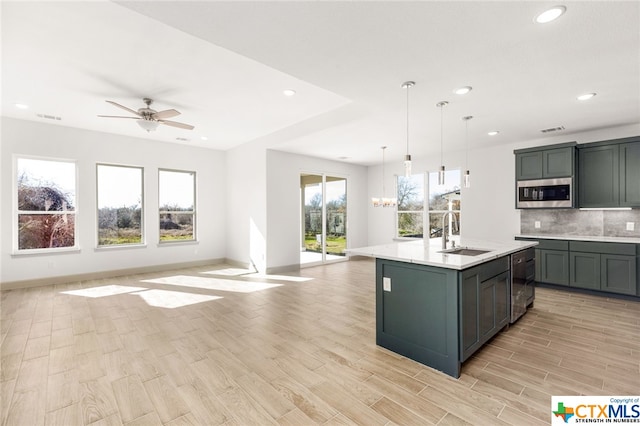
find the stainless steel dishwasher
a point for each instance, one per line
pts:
(522, 282)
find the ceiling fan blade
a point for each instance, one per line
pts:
(118, 116)
(176, 124)
(124, 108)
(167, 113)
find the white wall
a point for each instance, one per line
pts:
(283, 203)
(488, 206)
(88, 147)
(246, 205)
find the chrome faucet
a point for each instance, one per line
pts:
(445, 225)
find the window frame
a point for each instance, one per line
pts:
(16, 212)
(425, 205)
(193, 212)
(142, 209)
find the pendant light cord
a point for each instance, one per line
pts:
(408, 119)
(441, 133)
(466, 136)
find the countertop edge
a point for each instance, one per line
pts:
(594, 238)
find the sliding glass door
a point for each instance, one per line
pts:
(323, 218)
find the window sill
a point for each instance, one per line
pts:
(46, 252)
(178, 243)
(119, 247)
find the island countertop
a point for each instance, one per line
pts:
(430, 254)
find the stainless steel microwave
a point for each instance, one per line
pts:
(545, 193)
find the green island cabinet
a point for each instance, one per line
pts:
(600, 266)
(609, 173)
(440, 316)
(546, 162)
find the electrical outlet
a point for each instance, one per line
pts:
(386, 283)
(631, 226)
(536, 224)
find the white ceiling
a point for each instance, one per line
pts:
(224, 65)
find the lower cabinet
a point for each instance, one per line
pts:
(601, 266)
(585, 270)
(554, 267)
(618, 274)
(484, 304)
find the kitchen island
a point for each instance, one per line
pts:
(439, 307)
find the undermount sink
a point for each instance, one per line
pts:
(465, 251)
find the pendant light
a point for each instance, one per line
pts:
(407, 158)
(383, 201)
(441, 105)
(466, 178)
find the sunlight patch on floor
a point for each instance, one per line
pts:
(102, 291)
(173, 299)
(221, 284)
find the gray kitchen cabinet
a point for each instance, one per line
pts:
(618, 273)
(484, 304)
(554, 267)
(545, 162)
(602, 266)
(609, 173)
(584, 270)
(630, 174)
(599, 180)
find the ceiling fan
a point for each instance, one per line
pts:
(148, 118)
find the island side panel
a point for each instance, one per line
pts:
(418, 317)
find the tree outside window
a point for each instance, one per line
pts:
(444, 198)
(177, 200)
(119, 205)
(410, 209)
(46, 198)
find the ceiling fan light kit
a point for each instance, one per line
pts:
(149, 119)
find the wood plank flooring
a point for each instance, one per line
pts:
(217, 346)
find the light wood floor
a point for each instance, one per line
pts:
(204, 347)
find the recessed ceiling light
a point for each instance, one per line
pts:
(21, 106)
(204, 138)
(462, 90)
(493, 133)
(550, 15)
(586, 96)
(289, 92)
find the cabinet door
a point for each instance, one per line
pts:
(585, 270)
(630, 174)
(599, 176)
(487, 313)
(618, 274)
(529, 165)
(557, 162)
(503, 298)
(469, 334)
(554, 267)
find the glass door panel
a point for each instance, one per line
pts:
(336, 217)
(311, 250)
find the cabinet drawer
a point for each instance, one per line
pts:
(605, 248)
(553, 245)
(493, 268)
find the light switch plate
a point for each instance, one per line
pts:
(386, 283)
(536, 224)
(631, 226)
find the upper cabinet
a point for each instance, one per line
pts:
(609, 174)
(545, 162)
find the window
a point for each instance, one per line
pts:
(177, 196)
(46, 198)
(119, 205)
(410, 211)
(444, 198)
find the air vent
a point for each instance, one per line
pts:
(182, 139)
(552, 129)
(49, 117)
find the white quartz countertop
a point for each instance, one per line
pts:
(430, 254)
(600, 239)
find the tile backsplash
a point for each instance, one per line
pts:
(606, 223)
